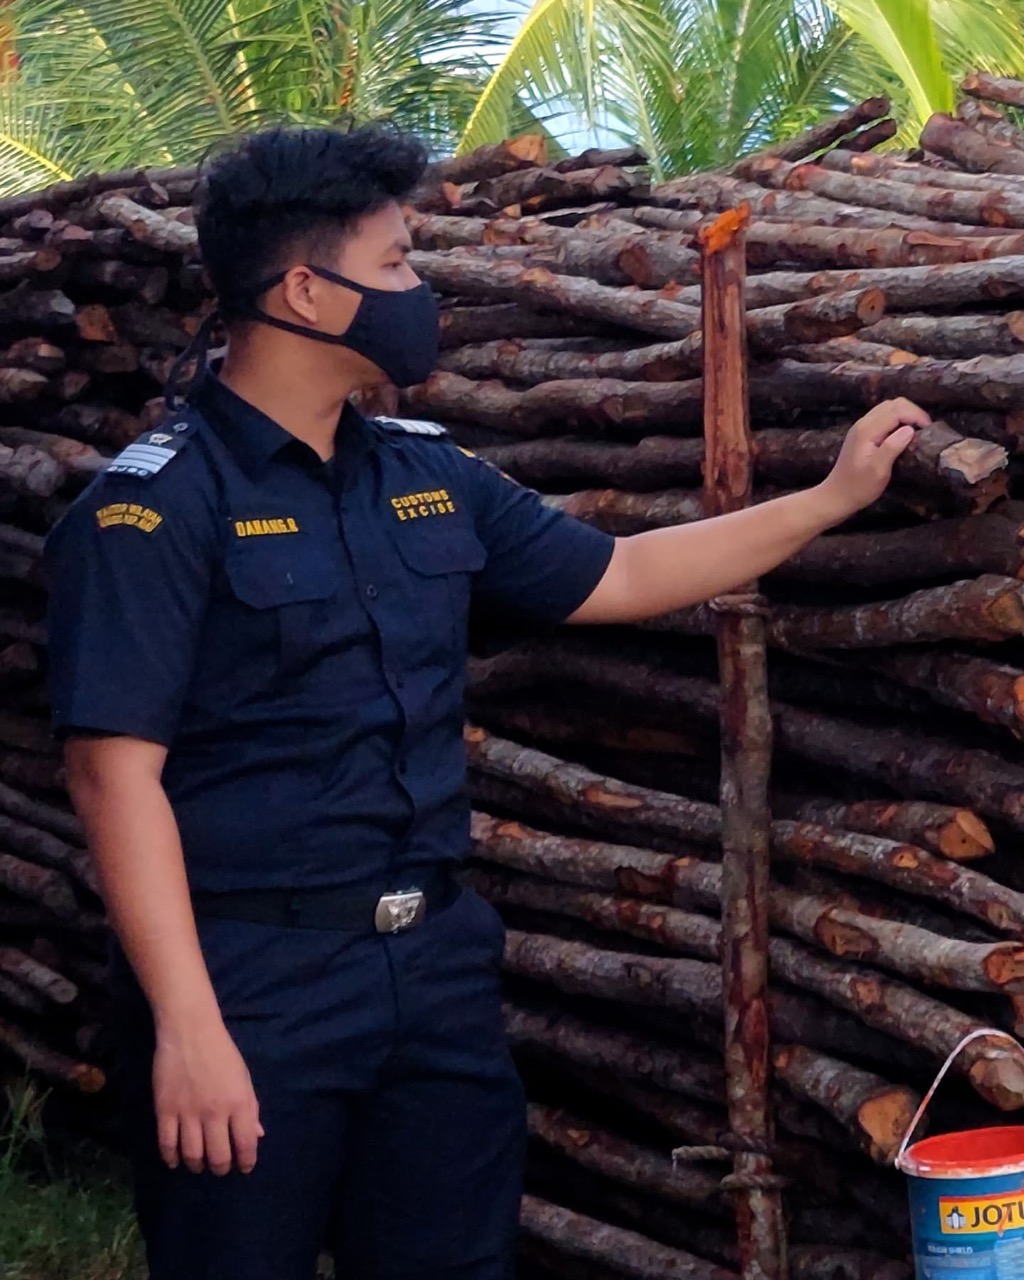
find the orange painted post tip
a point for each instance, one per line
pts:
(721, 233)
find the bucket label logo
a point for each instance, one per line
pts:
(982, 1215)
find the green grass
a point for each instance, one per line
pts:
(65, 1211)
(65, 1214)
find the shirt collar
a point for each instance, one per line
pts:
(255, 439)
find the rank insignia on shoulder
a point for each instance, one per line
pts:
(413, 427)
(152, 451)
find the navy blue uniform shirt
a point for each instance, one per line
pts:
(294, 632)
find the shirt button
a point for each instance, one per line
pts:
(372, 591)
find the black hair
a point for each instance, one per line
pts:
(288, 190)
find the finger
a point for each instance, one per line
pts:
(167, 1138)
(912, 413)
(898, 441)
(192, 1143)
(217, 1141)
(246, 1131)
(881, 428)
(885, 418)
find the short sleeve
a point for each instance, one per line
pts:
(128, 570)
(541, 563)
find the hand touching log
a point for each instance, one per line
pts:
(660, 570)
(866, 460)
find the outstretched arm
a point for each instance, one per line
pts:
(665, 569)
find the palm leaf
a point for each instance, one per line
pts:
(418, 62)
(64, 113)
(985, 35)
(566, 54)
(106, 83)
(903, 34)
(182, 60)
(741, 77)
(32, 153)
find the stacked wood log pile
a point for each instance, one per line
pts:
(572, 356)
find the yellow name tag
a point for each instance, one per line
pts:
(981, 1215)
(258, 528)
(418, 506)
(129, 513)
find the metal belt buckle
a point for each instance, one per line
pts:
(399, 910)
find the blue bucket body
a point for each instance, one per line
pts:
(968, 1228)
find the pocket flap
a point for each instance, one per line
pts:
(432, 552)
(266, 577)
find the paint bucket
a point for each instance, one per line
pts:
(966, 1195)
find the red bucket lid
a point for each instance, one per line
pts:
(971, 1153)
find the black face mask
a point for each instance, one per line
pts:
(396, 331)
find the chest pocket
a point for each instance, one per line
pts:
(287, 582)
(439, 565)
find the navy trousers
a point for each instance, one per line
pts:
(394, 1117)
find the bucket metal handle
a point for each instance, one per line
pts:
(974, 1035)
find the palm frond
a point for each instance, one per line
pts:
(903, 34)
(157, 81)
(64, 111)
(740, 77)
(567, 52)
(987, 35)
(319, 60)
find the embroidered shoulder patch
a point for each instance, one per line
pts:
(413, 427)
(128, 513)
(152, 451)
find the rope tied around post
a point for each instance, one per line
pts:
(730, 1144)
(741, 604)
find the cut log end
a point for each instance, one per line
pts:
(965, 837)
(998, 1075)
(971, 461)
(871, 306)
(1005, 967)
(723, 231)
(88, 1079)
(885, 1120)
(530, 148)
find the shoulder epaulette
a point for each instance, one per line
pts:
(152, 451)
(414, 427)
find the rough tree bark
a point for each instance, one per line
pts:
(597, 1244)
(746, 733)
(970, 149)
(819, 136)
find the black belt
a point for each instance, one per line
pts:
(349, 908)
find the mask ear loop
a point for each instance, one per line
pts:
(197, 350)
(253, 312)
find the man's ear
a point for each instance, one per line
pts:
(298, 294)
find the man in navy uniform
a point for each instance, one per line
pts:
(258, 641)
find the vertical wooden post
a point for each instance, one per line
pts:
(746, 731)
